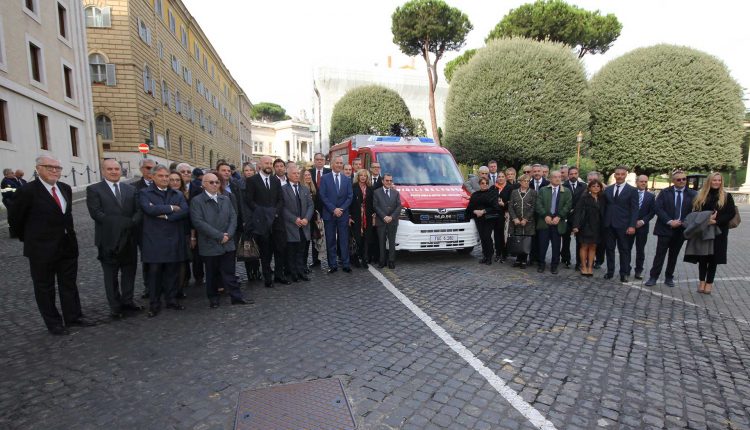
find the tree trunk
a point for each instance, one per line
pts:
(433, 118)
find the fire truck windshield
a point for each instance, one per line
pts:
(420, 168)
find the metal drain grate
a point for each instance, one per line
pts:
(320, 404)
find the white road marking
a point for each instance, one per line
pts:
(528, 411)
(735, 278)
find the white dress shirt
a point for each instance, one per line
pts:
(63, 202)
(112, 186)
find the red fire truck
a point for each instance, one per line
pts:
(431, 188)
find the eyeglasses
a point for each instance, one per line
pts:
(527, 172)
(212, 182)
(387, 180)
(185, 171)
(52, 168)
(680, 179)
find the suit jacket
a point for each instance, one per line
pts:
(115, 223)
(313, 171)
(291, 212)
(9, 183)
(504, 195)
(377, 183)
(544, 207)
(472, 184)
(211, 220)
(163, 240)
(647, 209)
(622, 212)
(196, 187)
(332, 198)
(46, 232)
(141, 184)
(355, 209)
(262, 206)
(665, 210)
(544, 183)
(385, 206)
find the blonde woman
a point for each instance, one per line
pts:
(712, 197)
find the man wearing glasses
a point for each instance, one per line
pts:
(672, 206)
(42, 217)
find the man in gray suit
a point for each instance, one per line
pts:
(215, 221)
(473, 183)
(387, 205)
(297, 213)
(117, 215)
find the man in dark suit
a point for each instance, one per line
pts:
(619, 222)
(263, 203)
(577, 188)
(42, 218)
(317, 172)
(145, 166)
(336, 196)
(387, 205)
(116, 213)
(646, 211)
(19, 177)
(377, 178)
(538, 180)
(297, 214)
(672, 206)
(377, 182)
(552, 206)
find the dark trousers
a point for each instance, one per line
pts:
(162, 279)
(616, 238)
(295, 252)
(565, 254)
(534, 254)
(265, 249)
(220, 273)
(666, 245)
(374, 253)
(337, 231)
(485, 228)
(315, 257)
(546, 237)
(122, 295)
(387, 232)
(198, 271)
(641, 237)
(280, 264)
(364, 241)
(252, 267)
(43, 275)
(498, 231)
(706, 269)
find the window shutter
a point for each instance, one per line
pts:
(107, 16)
(111, 75)
(146, 80)
(148, 36)
(153, 86)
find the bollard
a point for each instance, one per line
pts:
(73, 173)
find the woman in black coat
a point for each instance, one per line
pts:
(484, 208)
(361, 217)
(712, 197)
(587, 224)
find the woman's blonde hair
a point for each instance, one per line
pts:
(700, 199)
(360, 172)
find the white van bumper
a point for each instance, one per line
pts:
(428, 237)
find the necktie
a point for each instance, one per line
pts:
(554, 201)
(118, 196)
(57, 198)
(338, 186)
(388, 193)
(617, 190)
(317, 179)
(573, 185)
(492, 177)
(299, 202)
(678, 206)
(267, 186)
(640, 199)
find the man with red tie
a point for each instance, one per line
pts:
(317, 172)
(42, 217)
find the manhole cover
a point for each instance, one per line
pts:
(320, 404)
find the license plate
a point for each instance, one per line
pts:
(444, 238)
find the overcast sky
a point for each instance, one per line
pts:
(271, 47)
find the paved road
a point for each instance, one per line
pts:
(580, 353)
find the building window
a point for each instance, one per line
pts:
(179, 143)
(104, 127)
(101, 71)
(4, 121)
(196, 51)
(205, 63)
(202, 119)
(43, 126)
(172, 23)
(175, 64)
(164, 93)
(62, 21)
(144, 32)
(158, 9)
(74, 141)
(98, 17)
(178, 102)
(167, 138)
(35, 63)
(184, 37)
(68, 80)
(148, 80)
(191, 149)
(3, 64)
(31, 7)
(151, 133)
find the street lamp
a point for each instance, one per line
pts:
(579, 139)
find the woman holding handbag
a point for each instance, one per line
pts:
(522, 221)
(484, 208)
(587, 225)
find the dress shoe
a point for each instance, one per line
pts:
(623, 278)
(609, 276)
(567, 264)
(58, 330)
(213, 305)
(132, 307)
(638, 275)
(282, 281)
(304, 278)
(540, 268)
(391, 265)
(315, 264)
(347, 269)
(333, 270)
(381, 265)
(152, 313)
(80, 322)
(553, 270)
(578, 268)
(669, 282)
(116, 315)
(241, 301)
(364, 265)
(176, 307)
(651, 282)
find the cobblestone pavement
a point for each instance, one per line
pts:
(585, 353)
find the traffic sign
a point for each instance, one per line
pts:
(143, 148)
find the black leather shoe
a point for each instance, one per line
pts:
(80, 322)
(638, 275)
(608, 276)
(239, 302)
(304, 278)
(391, 265)
(333, 270)
(116, 315)
(553, 270)
(623, 278)
(58, 331)
(282, 281)
(669, 282)
(381, 265)
(176, 307)
(213, 305)
(651, 282)
(347, 269)
(132, 307)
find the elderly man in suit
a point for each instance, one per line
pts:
(297, 214)
(263, 202)
(336, 196)
(577, 189)
(163, 239)
(42, 218)
(620, 223)
(387, 205)
(145, 166)
(646, 211)
(116, 213)
(215, 221)
(473, 183)
(671, 207)
(552, 208)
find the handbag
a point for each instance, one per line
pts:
(353, 249)
(248, 249)
(736, 219)
(519, 245)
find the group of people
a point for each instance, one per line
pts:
(186, 223)
(545, 210)
(12, 181)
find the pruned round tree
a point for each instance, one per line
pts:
(519, 101)
(665, 106)
(371, 109)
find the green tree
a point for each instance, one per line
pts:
(370, 109)
(454, 64)
(663, 107)
(419, 127)
(517, 101)
(270, 112)
(558, 21)
(429, 27)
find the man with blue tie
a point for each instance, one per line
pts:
(619, 223)
(646, 211)
(672, 206)
(336, 196)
